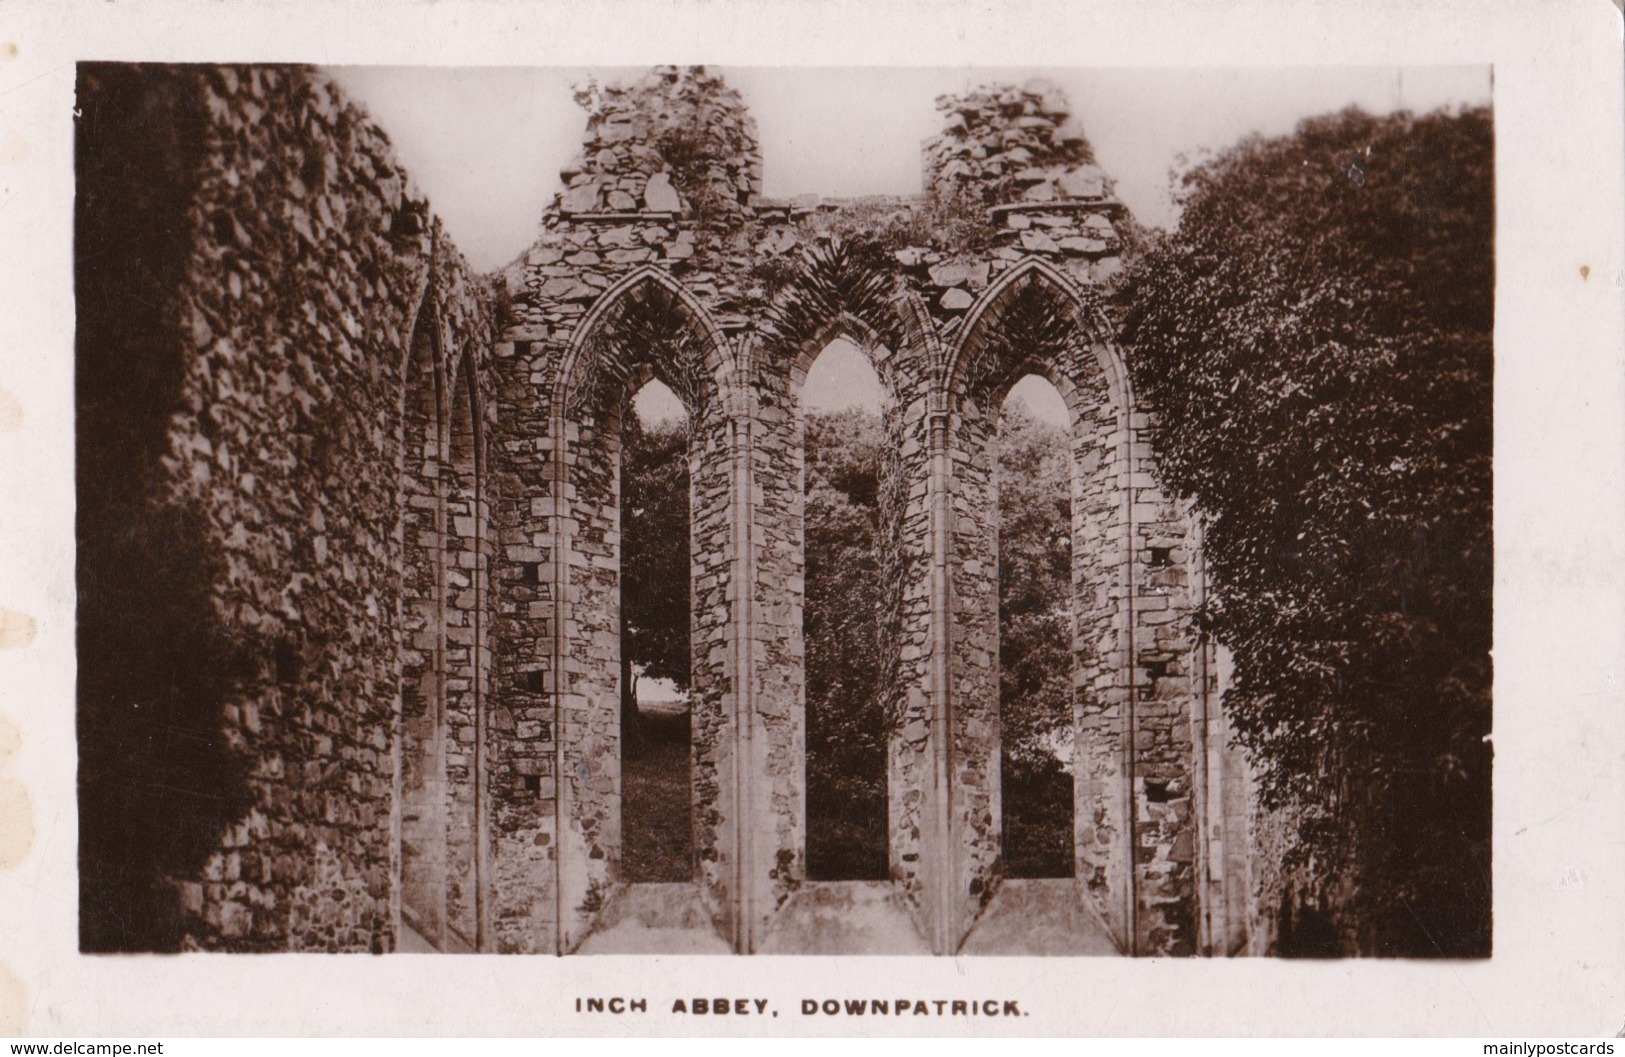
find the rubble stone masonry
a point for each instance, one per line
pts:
(394, 488)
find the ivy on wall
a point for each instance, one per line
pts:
(1315, 341)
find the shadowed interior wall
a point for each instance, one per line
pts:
(249, 264)
(467, 563)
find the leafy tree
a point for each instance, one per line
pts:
(1035, 634)
(1316, 342)
(846, 729)
(1035, 631)
(657, 783)
(655, 559)
(1035, 576)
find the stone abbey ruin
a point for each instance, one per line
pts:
(349, 539)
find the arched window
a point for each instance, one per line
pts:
(1015, 883)
(1034, 480)
(645, 328)
(843, 618)
(657, 831)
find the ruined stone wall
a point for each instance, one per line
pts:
(661, 224)
(296, 262)
(422, 783)
(527, 507)
(617, 217)
(908, 555)
(382, 504)
(1228, 867)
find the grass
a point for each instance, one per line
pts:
(846, 822)
(1037, 819)
(846, 815)
(657, 832)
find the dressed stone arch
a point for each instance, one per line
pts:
(1034, 321)
(1080, 322)
(645, 326)
(683, 344)
(441, 854)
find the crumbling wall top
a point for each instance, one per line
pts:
(678, 140)
(1012, 145)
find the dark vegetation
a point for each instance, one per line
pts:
(656, 816)
(1035, 634)
(846, 729)
(657, 826)
(1316, 341)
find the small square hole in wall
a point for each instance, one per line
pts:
(531, 783)
(1156, 669)
(1156, 791)
(530, 573)
(1162, 556)
(532, 682)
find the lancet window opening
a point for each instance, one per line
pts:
(1032, 321)
(657, 791)
(844, 613)
(645, 328)
(1033, 479)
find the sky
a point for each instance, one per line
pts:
(486, 144)
(840, 377)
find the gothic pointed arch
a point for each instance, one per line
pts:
(647, 320)
(851, 288)
(645, 326)
(920, 331)
(1034, 320)
(844, 325)
(842, 287)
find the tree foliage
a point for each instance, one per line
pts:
(846, 728)
(1315, 340)
(655, 556)
(1035, 636)
(1035, 577)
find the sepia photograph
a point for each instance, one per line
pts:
(700, 518)
(945, 513)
